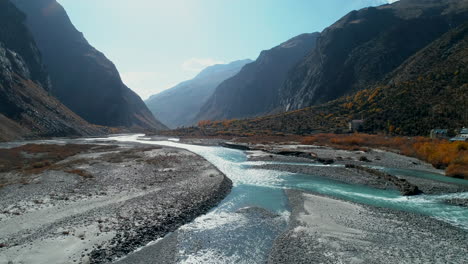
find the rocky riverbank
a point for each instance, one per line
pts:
(357, 167)
(96, 203)
(326, 230)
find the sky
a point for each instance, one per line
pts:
(156, 44)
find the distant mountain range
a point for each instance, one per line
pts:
(355, 53)
(178, 106)
(429, 90)
(26, 107)
(82, 78)
(400, 67)
(254, 90)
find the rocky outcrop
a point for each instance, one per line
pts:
(179, 105)
(16, 39)
(406, 188)
(255, 89)
(360, 49)
(238, 146)
(26, 107)
(428, 90)
(82, 77)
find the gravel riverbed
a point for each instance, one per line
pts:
(326, 230)
(102, 205)
(99, 204)
(340, 158)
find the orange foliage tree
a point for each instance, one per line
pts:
(440, 153)
(204, 123)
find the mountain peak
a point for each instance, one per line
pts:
(222, 67)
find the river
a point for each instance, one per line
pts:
(243, 227)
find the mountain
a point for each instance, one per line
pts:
(26, 107)
(428, 90)
(255, 89)
(363, 47)
(82, 77)
(179, 105)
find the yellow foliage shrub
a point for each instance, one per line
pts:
(440, 153)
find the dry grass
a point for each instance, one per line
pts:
(265, 139)
(33, 159)
(442, 154)
(81, 173)
(126, 155)
(457, 171)
(459, 167)
(358, 141)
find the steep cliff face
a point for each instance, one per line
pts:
(362, 47)
(428, 90)
(179, 105)
(15, 35)
(26, 107)
(81, 76)
(255, 89)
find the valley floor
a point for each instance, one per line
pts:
(326, 230)
(323, 229)
(336, 166)
(102, 204)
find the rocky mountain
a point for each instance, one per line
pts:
(255, 89)
(26, 107)
(428, 90)
(83, 78)
(360, 49)
(179, 105)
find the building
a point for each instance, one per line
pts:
(439, 133)
(463, 136)
(355, 125)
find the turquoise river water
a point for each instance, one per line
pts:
(242, 228)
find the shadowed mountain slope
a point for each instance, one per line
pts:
(254, 90)
(429, 90)
(82, 77)
(26, 107)
(360, 49)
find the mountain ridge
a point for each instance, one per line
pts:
(178, 105)
(429, 90)
(364, 46)
(82, 77)
(27, 110)
(254, 90)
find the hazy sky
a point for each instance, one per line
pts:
(156, 44)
